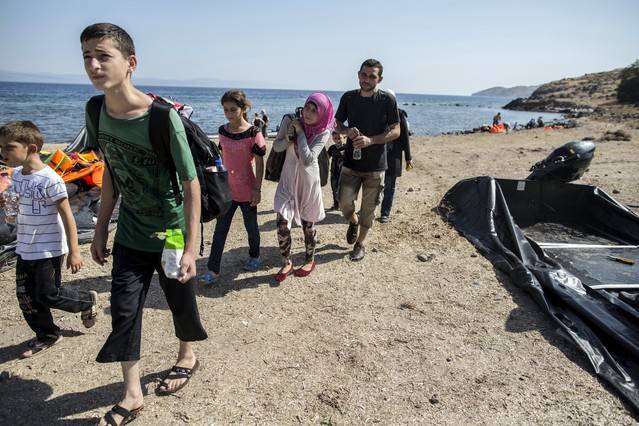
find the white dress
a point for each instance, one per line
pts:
(299, 192)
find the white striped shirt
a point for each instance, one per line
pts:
(40, 229)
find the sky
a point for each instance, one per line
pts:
(443, 47)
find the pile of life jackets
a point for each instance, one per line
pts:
(497, 128)
(76, 166)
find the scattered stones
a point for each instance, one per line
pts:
(425, 258)
(617, 135)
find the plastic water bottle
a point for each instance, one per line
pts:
(11, 207)
(219, 165)
(357, 153)
(10, 199)
(172, 252)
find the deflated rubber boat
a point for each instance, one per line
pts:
(574, 249)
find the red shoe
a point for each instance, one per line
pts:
(281, 276)
(303, 272)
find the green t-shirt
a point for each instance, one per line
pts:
(148, 203)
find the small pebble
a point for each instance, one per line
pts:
(410, 189)
(473, 255)
(615, 191)
(434, 399)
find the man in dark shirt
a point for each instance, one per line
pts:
(373, 121)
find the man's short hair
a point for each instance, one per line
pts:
(122, 39)
(23, 131)
(373, 63)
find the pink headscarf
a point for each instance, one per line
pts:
(324, 110)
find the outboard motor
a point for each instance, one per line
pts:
(565, 164)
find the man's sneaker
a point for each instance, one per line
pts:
(351, 233)
(253, 264)
(209, 278)
(358, 252)
(384, 219)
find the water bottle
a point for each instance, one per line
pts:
(357, 153)
(172, 252)
(11, 200)
(219, 165)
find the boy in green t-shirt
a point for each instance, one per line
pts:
(147, 207)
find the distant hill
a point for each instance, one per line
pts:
(507, 92)
(12, 76)
(585, 93)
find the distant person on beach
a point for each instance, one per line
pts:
(258, 122)
(265, 124)
(373, 121)
(298, 197)
(394, 151)
(497, 119)
(540, 121)
(531, 124)
(242, 146)
(336, 153)
(46, 232)
(148, 206)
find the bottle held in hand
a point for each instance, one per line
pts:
(172, 252)
(10, 199)
(357, 152)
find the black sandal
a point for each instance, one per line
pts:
(173, 374)
(127, 416)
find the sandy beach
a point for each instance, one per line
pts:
(389, 340)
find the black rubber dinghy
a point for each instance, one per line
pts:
(575, 250)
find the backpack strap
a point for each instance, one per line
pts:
(160, 135)
(94, 107)
(93, 110)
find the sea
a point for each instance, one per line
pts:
(58, 109)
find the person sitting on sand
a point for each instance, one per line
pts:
(540, 122)
(46, 232)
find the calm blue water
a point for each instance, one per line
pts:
(58, 109)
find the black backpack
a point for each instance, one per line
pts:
(214, 187)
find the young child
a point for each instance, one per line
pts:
(148, 206)
(45, 226)
(336, 152)
(241, 144)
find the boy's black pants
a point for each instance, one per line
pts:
(132, 272)
(38, 290)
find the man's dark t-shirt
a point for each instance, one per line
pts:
(371, 116)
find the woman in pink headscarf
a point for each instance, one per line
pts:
(299, 194)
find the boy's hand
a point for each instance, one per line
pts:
(256, 197)
(187, 267)
(99, 250)
(74, 261)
